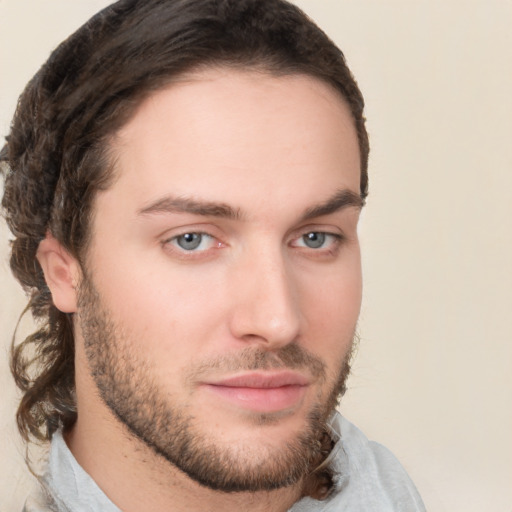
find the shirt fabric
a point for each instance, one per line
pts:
(367, 478)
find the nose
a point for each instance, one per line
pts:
(265, 307)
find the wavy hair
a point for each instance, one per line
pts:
(56, 155)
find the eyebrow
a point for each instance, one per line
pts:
(171, 204)
(342, 199)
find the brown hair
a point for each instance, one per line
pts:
(56, 155)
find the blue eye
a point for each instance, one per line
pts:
(320, 241)
(314, 239)
(189, 241)
(192, 241)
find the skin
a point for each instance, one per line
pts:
(271, 150)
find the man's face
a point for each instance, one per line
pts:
(223, 278)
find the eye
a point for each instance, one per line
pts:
(314, 240)
(317, 240)
(192, 241)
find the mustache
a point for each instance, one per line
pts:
(291, 357)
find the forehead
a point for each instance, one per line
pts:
(236, 134)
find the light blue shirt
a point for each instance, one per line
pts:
(368, 478)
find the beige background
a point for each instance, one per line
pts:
(433, 377)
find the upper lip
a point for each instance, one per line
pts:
(263, 380)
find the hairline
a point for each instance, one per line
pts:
(107, 145)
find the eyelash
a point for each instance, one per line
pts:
(336, 240)
(173, 241)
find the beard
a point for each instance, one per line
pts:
(126, 383)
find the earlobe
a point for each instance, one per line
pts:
(61, 272)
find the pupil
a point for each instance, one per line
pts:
(189, 241)
(314, 240)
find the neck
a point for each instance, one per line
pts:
(149, 482)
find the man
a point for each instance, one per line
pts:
(184, 180)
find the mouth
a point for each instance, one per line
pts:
(263, 392)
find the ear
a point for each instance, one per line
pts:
(61, 273)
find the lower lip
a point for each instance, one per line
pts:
(261, 399)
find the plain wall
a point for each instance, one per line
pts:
(432, 379)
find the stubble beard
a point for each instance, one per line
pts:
(126, 385)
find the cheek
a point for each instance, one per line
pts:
(332, 311)
(165, 311)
